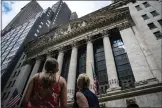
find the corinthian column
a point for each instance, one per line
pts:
(110, 64)
(72, 73)
(60, 60)
(90, 63)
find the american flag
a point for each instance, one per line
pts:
(14, 99)
(95, 81)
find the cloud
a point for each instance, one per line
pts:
(80, 7)
(6, 6)
(16, 7)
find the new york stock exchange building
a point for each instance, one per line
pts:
(114, 43)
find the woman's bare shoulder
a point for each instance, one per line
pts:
(79, 94)
(61, 80)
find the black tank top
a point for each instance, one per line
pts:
(91, 98)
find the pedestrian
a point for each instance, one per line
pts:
(47, 88)
(84, 97)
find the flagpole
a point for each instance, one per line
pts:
(95, 80)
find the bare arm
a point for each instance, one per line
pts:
(63, 94)
(82, 100)
(28, 92)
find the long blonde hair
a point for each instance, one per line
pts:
(49, 75)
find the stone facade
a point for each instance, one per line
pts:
(143, 56)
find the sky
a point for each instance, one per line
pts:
(11, 8)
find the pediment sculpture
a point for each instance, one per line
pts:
(73, 26)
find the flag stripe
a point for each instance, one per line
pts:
(17, 97)
(13, 101)
(95, 81)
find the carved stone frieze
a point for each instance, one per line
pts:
(79, 27)
(81, 37)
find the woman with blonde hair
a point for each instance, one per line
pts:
(84, 97)
(47, 88)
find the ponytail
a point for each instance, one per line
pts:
(49, 76)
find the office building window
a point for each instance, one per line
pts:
(14, 74)
(158, 34)
(154, 13)
(47, 24)
(13, 83)
(146, 4)
(40, 26)
(19, 65)
(18, 72)
(35, 34)
(9, 84)
(37, 31)
(4, 96)
(138, 7)
(4, 66)
(145, 17)
(42, 23)
(151, 26)
(9, 58)
(23, 57)
(160, 22)
(48, 21)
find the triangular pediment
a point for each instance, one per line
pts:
(80, 26)
(87, 20)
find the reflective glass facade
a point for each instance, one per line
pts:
(11, 43)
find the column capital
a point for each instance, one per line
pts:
(105, 33)
(89, 38)
(74, 43)
(48, 54)
(61, 48)
(39, 57)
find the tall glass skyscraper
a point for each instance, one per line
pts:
(22, 30)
